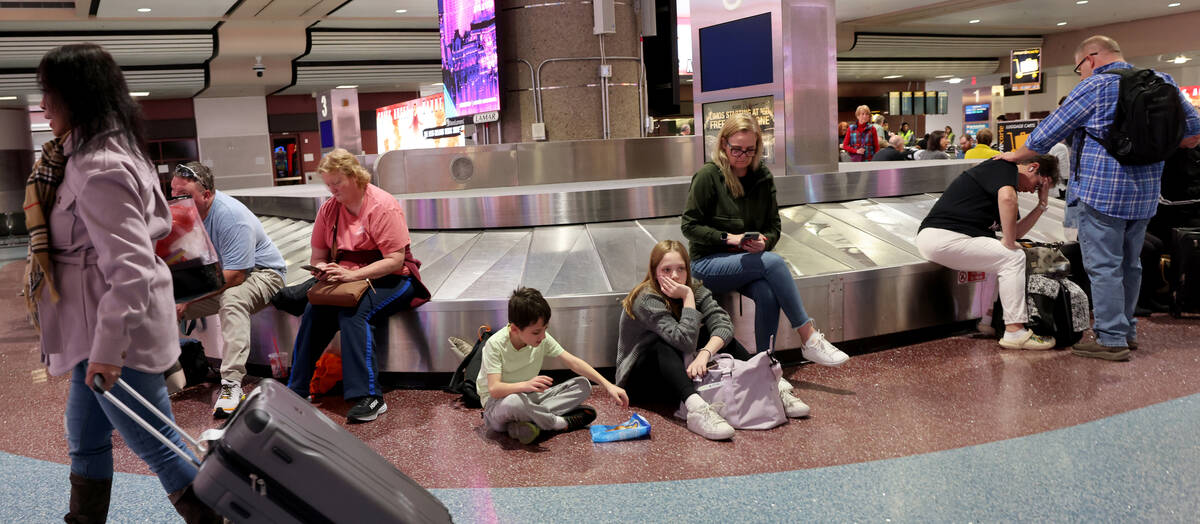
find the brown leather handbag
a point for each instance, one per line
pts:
(341, 294)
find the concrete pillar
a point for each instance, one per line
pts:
(532, 32)
(234, 140)
(16, 157)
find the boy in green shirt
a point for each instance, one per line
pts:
(519, 401)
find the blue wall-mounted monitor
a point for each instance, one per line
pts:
(976, 112)
(736, 54)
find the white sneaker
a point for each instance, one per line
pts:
(820, 351)
(794, 407)
(231, 397)
(709, 424)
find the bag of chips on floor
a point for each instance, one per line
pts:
(635, 427)
(188, 252)
(326, 375)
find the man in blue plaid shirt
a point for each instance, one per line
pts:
(1114, 202)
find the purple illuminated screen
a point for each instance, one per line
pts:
(470, 77)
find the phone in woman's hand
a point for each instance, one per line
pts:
(750, 236)
(310, 269)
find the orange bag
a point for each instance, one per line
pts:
(327, 374)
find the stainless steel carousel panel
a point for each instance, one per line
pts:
(440, 254)
(667, 228)
(915, 207)
(893, 299)
(822, 301)
(623, 248)
(891, 226)
(493, 267)
(581, 273)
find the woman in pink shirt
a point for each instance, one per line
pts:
(107, 309)
(372, 243)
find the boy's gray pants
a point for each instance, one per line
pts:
(539, 408)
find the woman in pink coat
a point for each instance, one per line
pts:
(114, 315)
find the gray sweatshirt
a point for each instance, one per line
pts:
(653, 320)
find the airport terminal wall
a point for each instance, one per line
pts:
(577, 220)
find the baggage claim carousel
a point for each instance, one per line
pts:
(512, 221)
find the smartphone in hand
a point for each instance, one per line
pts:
(750, 236)
(311, 269)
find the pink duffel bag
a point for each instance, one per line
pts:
(747, 389)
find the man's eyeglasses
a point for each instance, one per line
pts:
(737, 152)
(1080, 64)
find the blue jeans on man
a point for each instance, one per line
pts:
(1112, 255)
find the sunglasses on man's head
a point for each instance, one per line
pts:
(186, 172)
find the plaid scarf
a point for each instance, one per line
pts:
(40, 192)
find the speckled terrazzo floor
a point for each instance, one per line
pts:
(947, 430)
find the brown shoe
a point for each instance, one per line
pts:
(89, 500)
(1132, 343)
(193, 511)
(1093, 349)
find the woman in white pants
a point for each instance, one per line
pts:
(960, 233)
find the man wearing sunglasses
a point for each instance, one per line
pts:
(1113, 201)
(253, 269)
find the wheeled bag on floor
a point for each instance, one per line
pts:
(1185, 271)
(280, 460)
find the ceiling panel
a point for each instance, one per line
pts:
(25, 51)
(935, 46)
(367, 77)
(1042, 16)
(161, 83)
(161, 9)
(875, 70)
(373, 45)
(386, 9)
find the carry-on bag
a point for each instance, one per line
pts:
(747, 390)
(1185, 271)
(278, 459)
(189, 253)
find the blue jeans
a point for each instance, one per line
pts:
(91, 420)
(360, 327)
(765, 278)
(1112, 250)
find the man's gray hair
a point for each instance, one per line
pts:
(1098, 43)
(896, 141)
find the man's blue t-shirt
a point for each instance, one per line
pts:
(239, 237)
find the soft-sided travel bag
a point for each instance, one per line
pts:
(746, 390)
(1185, 271)
(463, 379)
(281, 460)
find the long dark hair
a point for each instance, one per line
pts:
(86, 81)
(935, 141)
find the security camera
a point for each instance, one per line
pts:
(258, 67)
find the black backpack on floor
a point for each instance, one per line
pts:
(1149, 121)
(463, 379)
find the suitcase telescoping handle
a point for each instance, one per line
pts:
(98, 386)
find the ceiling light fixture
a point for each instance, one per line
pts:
(1180, 60)
(1173, 4)
(944, 76)
(1081, 2)
(401, 11)
(955, 80)
(889, 77)
(1060, 24)
(143, 9)
(438, 84)
(975, 21)
(8, 98)
(347, 87)
(139, 93)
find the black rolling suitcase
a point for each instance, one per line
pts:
(1185, 271)
(280, 460)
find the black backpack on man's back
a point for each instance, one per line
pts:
(1149, 121)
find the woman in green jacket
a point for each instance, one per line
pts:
(732, 223)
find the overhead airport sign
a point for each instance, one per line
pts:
(1026, 65)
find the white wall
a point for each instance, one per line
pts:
(233, 139)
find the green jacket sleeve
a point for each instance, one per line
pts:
(698, 213)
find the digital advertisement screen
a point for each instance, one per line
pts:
(736, 54)
(761, 108)
(976, 113)
(401, 126)
(470, 73)
(1192, 93)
